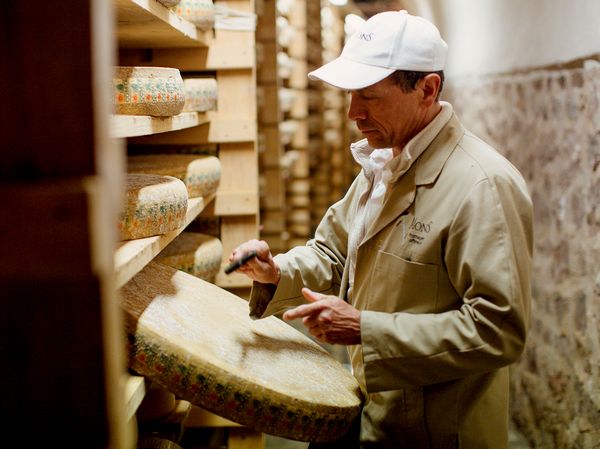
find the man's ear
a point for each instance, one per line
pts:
(430, 87)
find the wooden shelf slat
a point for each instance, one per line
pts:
(143, 125)
(133, 255)
(135, 390)
(149, 24)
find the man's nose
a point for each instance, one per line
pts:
(356, 111)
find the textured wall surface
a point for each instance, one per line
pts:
(548, 124)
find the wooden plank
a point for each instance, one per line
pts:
(269, 105)
(148, 23)
(273, 221)
(235, 230)
(300, 136)
(267, 63)
(297, 47)
(270, 148)
(217, 56)
(237, 94)
(299, 76)
(239, 169)
(244, 438)
(297, 15)
(53, 270)
(272, 189)
(200, 417)
(217, 130)
(135, 390)
(133, 255)
(141, 125)
(265, 26)
(299, 107)
(236, 203)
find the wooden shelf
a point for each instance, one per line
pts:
(135, 390)
(149, 24)
(133, 255)
(143, 125)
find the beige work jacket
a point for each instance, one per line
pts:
(443, 283)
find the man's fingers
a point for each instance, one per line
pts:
(314, 306)
(302, 311)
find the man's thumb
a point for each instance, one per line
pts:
(310, 295)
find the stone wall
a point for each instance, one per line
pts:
(548, 124)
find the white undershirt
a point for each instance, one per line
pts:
(381, 168)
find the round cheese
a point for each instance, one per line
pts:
(200, 12)
(197, 254)
(153, 205)
(200, 94)
(156, 91)
(200, 174)
(197, 340)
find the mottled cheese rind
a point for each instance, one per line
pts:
(197, 340)
(200, 174)
(153, 205)
(156, 91)
(197, 254)
(200, 12)
(200, 94)
(168, 3)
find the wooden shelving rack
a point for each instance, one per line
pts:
(230, 57)
(62, 178)
(273, 206)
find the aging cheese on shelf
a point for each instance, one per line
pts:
(197, 340)
(153, 205)
(200, 174)
(156, 91)
(200, 94)
(168, 3)
(200, 12)
(195, 253)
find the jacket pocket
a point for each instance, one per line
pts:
(400, 285)
(396, 419)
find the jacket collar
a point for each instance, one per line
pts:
(425, 170)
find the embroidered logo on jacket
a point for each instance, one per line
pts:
(417, 230)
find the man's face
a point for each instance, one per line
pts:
(387, 116)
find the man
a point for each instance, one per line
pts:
(423, 268)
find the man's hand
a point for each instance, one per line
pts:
(261, 268)
(328, 318)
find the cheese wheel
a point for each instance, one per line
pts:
(200, 12)
(155, 442)
(200, 174)
(168, 3)
(156, 91)
(198, 341)
(200, 94)
(153, 205)
(197, 254)
(157, 403)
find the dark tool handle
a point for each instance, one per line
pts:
(238, 263)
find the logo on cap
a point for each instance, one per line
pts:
(365, 36)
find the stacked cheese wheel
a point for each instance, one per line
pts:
(200, 12)
(200, 94)
(156, 91)
(168, 3)
(195, 253)
(153, 205)
(200, 174)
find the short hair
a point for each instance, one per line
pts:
(407, 79)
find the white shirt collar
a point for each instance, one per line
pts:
(361, 150)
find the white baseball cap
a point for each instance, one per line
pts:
(388, 41)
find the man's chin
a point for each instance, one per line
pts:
(375, 143)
